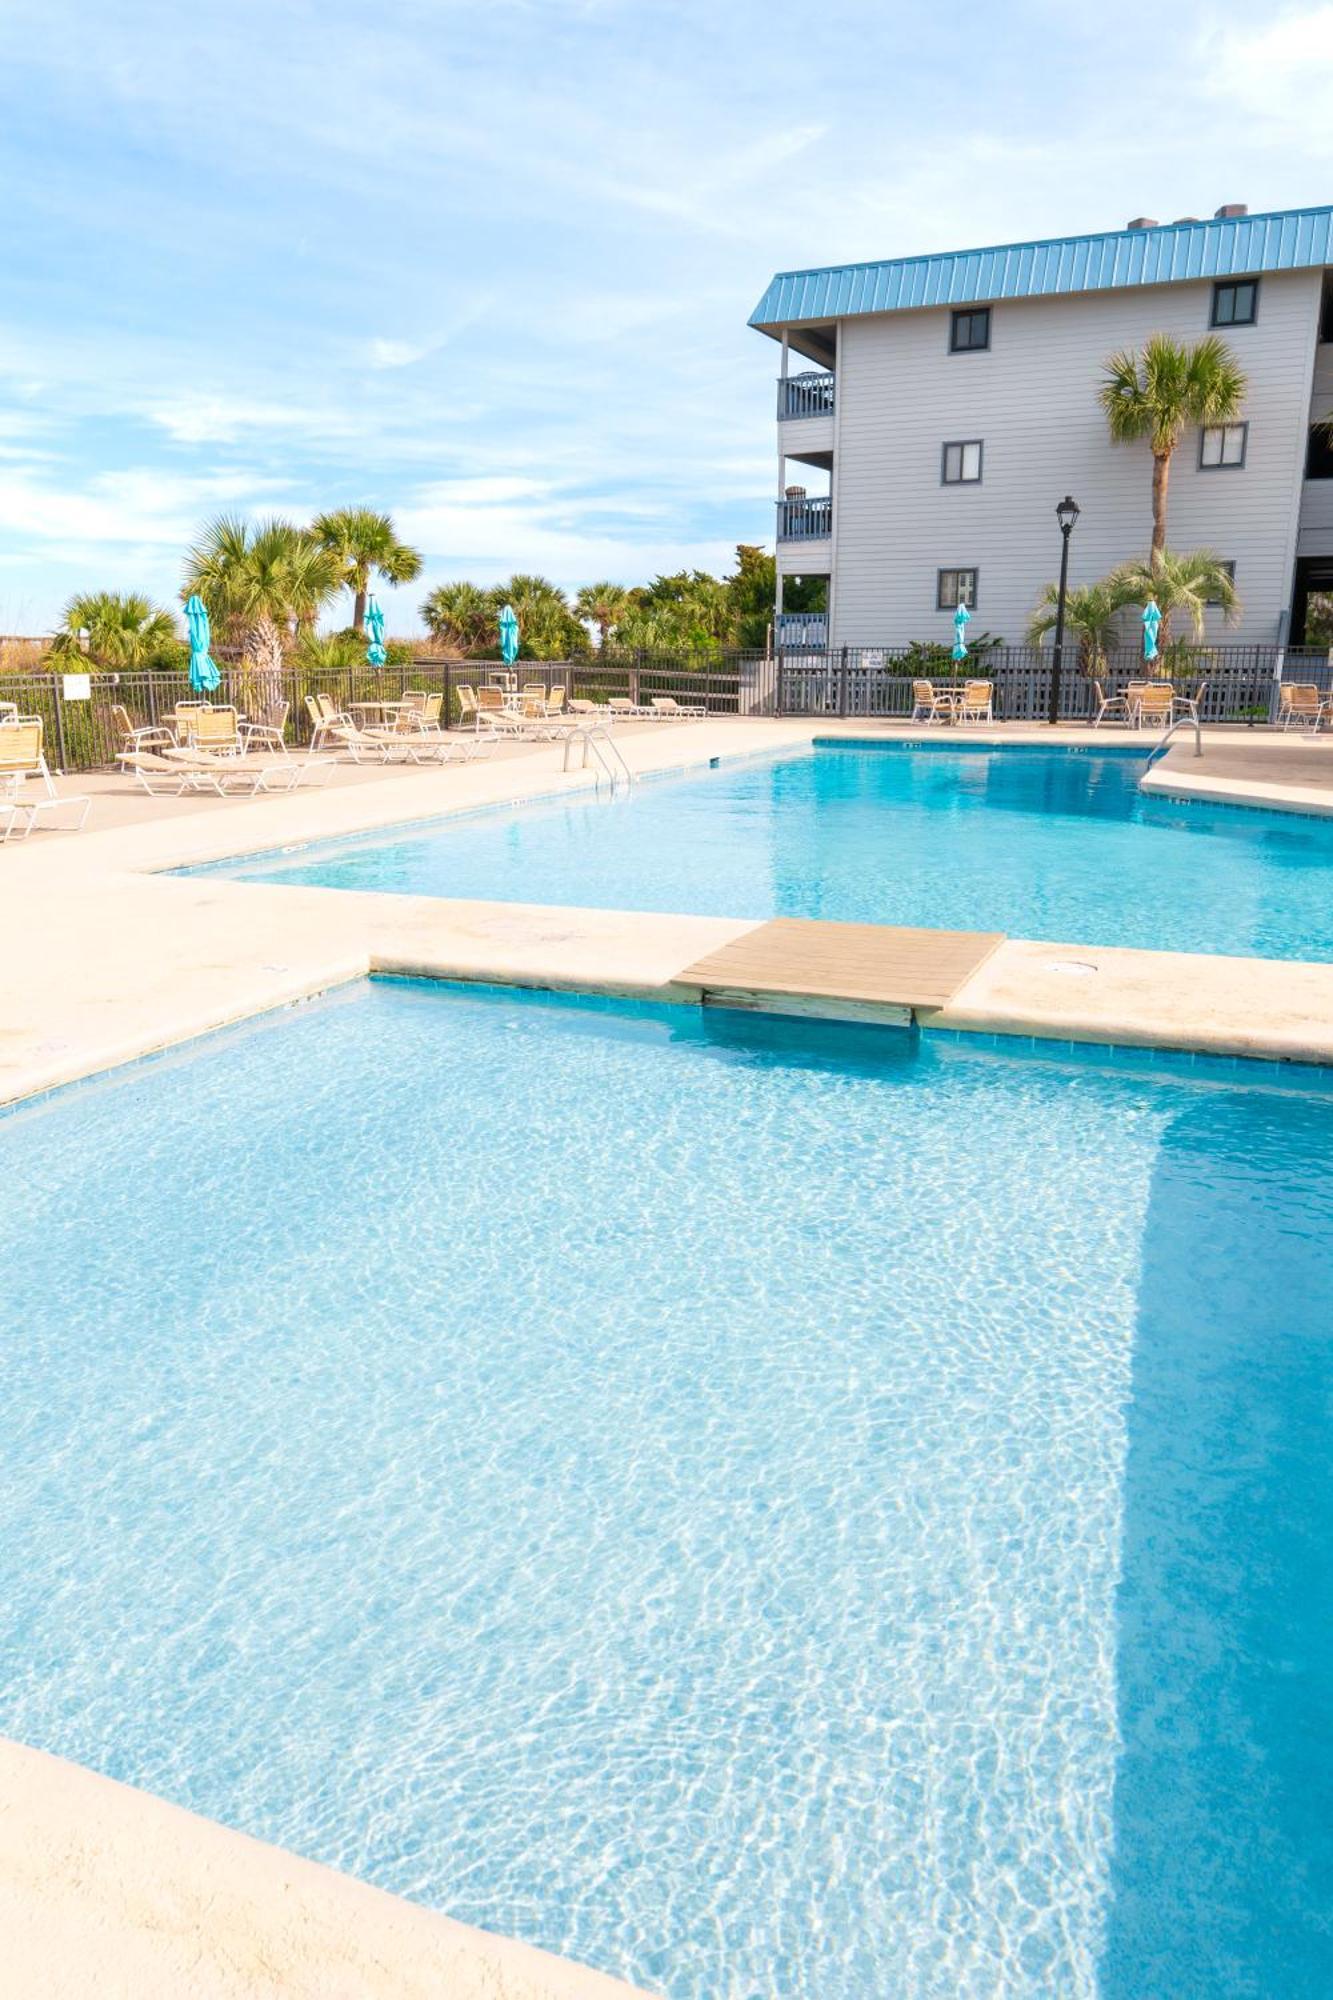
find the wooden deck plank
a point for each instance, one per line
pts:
(874, 963)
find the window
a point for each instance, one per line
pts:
(1214, 603)
(962, 463)
(1319, 453)
(1222, 447)
(955, 587)
(969, 330)
(1236, 304)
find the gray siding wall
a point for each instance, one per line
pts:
(1032, 398)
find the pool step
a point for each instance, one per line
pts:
(840, 971)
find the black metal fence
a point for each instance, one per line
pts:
(1236, 683)
(81, 730)
(1239, 685)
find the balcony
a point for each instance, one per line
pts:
(801, 519)
(802, 630)
(808, 395)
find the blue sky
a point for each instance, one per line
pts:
(489, 265)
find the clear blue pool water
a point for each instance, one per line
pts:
(766, 1511)
(1040, 844)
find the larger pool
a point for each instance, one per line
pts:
(1052, 844)
(767, 1511)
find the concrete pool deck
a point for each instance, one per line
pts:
(110, 959)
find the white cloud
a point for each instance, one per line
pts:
(395, 353)
(1281, 70)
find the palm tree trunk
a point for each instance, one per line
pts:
(359, 611)
(263, 648)
(1161, 472)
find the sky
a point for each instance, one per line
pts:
(488, 266)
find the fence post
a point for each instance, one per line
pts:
(842, 682)
(57, 681)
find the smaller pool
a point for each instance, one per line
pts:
(1054, 844)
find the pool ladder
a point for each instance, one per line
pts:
(1181, 722)
(607, 757)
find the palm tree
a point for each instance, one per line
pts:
(1091, 611)
(261, 582)
(1184, 586)
(1156, 393)
(117, 629)
(366, 544)
(548, 629)
(602, 605)
(460, 617)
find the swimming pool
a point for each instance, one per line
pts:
(772, 1511)
(1052, 844)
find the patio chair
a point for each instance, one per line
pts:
(977, 702)
(214, 731)
(183, 718)
(21, 764)
(267, 728)
(928, 706)
(1301, 702)
(667, 709)
(1188, 704)
(555, 700)
(490, 701)
(327, 718)
(1154, 702)
(131, 735)
(9, 711)
(1113, 707)
(467, 705)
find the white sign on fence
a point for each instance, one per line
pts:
(76, 687)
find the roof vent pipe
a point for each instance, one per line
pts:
(1230, 210)
(1142, 222)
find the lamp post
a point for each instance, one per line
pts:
(1066, 514)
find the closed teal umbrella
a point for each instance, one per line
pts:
(960, 622)
(508, 636)
(204, 676)
(1152, 619)
(375, 652)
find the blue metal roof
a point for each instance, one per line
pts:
(1290, 239)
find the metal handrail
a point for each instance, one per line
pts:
(1159, 748)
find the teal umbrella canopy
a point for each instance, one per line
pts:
(508, 636)
(204, 676)
(960, 623)
(375, 652)
(1152, 619)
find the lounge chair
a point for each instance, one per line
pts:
(625, 710)
(490, 701)
(580, 706)
(666, 708)
(22, 764)
(468, 710)
(977, 702)
(1302, 703)
(929, 706)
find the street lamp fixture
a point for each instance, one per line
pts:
(1066, 514)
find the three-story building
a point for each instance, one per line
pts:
(938, 407)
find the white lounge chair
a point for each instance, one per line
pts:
(666, 708)
(22, 765)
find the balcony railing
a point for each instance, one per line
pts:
(805, 520)
(802, 629)
(808, 395)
